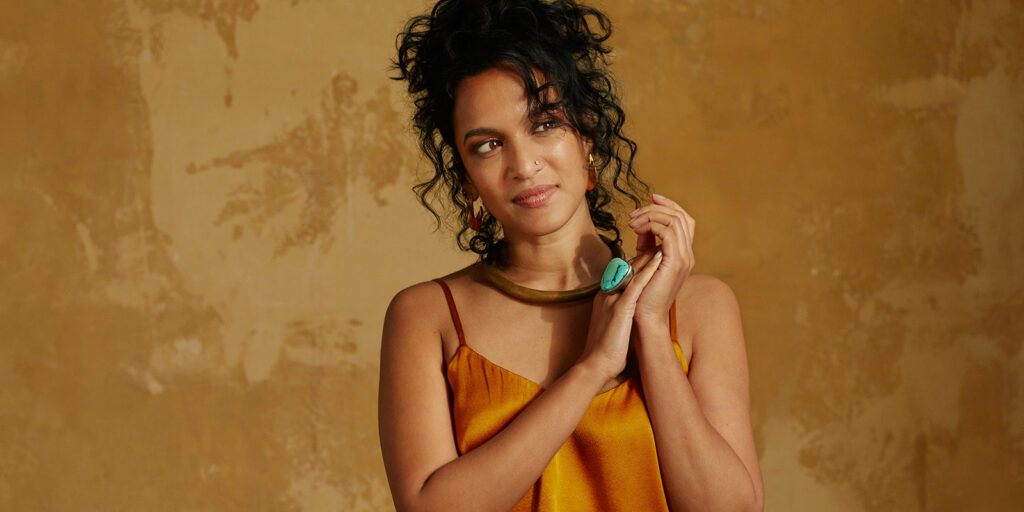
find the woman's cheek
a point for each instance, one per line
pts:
(561, 148)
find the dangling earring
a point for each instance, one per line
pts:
(474, 220)
(591, 173)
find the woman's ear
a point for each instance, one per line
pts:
(588, 146)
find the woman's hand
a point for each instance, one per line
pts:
(668, 221)
(611, 320)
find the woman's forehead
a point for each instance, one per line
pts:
(494, 95)
(495, 88)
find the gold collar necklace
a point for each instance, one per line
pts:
(548, 296)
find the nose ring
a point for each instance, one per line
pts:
(536, 162)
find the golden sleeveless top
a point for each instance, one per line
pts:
(608, 463)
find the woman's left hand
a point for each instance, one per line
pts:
(667, 221)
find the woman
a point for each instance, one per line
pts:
(505, 385)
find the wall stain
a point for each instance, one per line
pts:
(859, 434)
(312, 167)
(990, 394)
(118, 387)
(323, 343)
(97, 293)
(334, 445)
(224, 15)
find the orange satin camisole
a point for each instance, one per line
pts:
(609, 463)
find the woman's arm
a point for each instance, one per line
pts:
(702, 421)
(424, 469)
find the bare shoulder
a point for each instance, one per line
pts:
(425, 294)
(413, 299)
(419, 309)
(707, 295)
(408, 304)
(706, 305)
(415, 308)
(704, 284)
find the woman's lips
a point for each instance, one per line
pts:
(535, 197)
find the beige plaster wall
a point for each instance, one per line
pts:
(205, 207)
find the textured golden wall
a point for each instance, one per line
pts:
(205, 207)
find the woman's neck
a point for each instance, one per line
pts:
(558, 261)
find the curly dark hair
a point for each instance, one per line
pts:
(565, 42)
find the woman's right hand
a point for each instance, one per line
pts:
(611, 320)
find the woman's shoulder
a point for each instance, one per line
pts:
(705, 301)
(423, 290)
(705, 289)
(424, 302)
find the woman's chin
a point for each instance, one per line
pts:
(541, 226)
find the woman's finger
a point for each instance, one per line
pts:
(673, 237)
(659, 216)
(662, 215)
(640, 280)
(654, 208)
(645, 243)
(674, 243)
(688, 223)
(662, 200)
(640, 260)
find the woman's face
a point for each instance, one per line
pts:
(531, 174)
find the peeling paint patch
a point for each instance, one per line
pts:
(319, 344)
(309, 170)
(91, 250)
(224, 15)
(934, 92)
(311, 492)
(136, 282)
(183, 356)
(144, 377)
(261, 350)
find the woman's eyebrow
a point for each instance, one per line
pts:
(479, 131)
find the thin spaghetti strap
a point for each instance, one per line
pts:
(672, 322)
(452, 310)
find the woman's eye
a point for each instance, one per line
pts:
(487, 146)
(546, 126)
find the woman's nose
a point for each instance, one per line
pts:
(524, 163)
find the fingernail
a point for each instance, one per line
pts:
(659, 196)
(634, 212)
(657, 255)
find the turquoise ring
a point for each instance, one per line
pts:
(616, 276)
